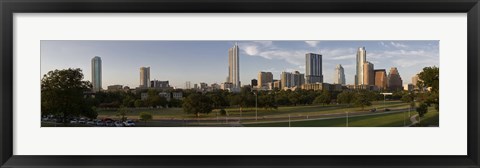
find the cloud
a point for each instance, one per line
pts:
(398, 45)
(312, 43)
(251, 50)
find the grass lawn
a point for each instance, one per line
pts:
(383, 120)
(300, 110)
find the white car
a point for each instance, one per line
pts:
(82, 121)
(118, 124)
(129, 123)
(74, 121)
(91, 122)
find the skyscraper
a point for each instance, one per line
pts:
(289, 79)
(339, 75)
(313, 68)
(368, 74)
(234, 66)
(96, 74)
(264, 78)
(381, 79)
(144, 77)
(361, 59)
(394, 80)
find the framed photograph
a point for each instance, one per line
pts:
(239, 84)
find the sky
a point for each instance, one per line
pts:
(207, 61)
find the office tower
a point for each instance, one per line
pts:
(394, 79)
(313, 68)
(264, 78)
(159, 84)
(188, 85)
(339, 75)
(254, 82)
(415, 80)
(234, 66)
(292, 79)
(368, 74)
(381, 79)
(96, 74)
(144, 77)
(361, 59)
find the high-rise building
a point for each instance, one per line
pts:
(415, 80)
(144, 77)
(368, 74)
(339, 75)
(254, 83)
(380, 79)
(289, 80)
(234, 66)
(188, 85)
(159, 84)
(313, 68)
(264, 78)
(394, 80)
(96, 74)
(361, 59)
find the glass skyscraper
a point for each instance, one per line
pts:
(313, 68)
(234, 66)
(96, 74)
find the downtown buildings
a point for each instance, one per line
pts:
(234, 66)
(339, 77)
(313, 68)
(96, 74)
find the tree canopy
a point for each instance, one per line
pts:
(197, 103)
(62, 94)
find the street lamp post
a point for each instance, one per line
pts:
(256, 107)
(384, 97)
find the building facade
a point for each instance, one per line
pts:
(339, 77)
(292, 79)
(313, 68)
(144, 77)
(394, 80)
(96, 74)
(368, 74)
(264, 78)
(234, 66)
(381, 79)
(361, 59)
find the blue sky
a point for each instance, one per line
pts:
(207, 61)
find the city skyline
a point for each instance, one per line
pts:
(209, 58)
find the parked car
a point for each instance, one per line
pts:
(74, 121)
(109, 123)
(118, 124)
(373, 110)
(82, 121)
(387, 109)
(129, 123)
(100, 123)
(90, 122)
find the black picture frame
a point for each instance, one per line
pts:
(9, 7)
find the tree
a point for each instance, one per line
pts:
(139, 103)
(345, 97)
(156, 100)
(197, 104)
(362, 100)
(122, 112)
(144, 116)
(429, 78)
(409, 98)
(223, 112)
(324, 98)
(62, 94)
(422, 109)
